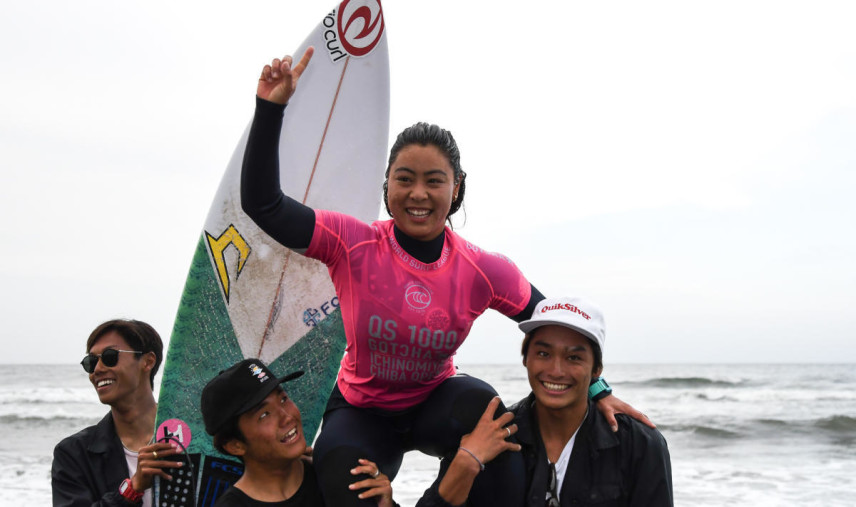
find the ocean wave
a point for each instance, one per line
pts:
(702, 430)
(16, 419)
(44, 409)
(23, 401)
(684, 382)
(776, 423)
(838, 424)
(835, 425)
(47, 395)
(840, 427)
(706, 397)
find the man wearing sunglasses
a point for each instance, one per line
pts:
(114, 462)
(572, 455)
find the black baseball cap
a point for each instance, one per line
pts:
(236, 390)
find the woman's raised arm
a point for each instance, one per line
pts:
(286, 220)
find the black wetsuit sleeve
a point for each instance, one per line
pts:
(286, 220)
(534, 299)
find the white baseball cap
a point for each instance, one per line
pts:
(573, 312)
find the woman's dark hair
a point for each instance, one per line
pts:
(424, 134)
(595, 348)
(139, 335)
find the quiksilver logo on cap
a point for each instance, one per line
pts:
(566, 306)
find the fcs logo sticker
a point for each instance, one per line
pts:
(217, 248)
(312, 316)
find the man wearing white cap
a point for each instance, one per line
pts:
(572, 455)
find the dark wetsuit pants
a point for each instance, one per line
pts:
(434, 427)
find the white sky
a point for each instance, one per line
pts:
(691, 166)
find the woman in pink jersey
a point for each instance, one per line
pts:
(409, 290)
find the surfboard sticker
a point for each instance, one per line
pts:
(248, 296)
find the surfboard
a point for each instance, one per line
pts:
(246, 295)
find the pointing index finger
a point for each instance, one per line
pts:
(304, 61)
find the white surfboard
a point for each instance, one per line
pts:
(248, 296)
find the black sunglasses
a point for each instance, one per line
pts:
(109, 357)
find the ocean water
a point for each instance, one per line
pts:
(739, 435)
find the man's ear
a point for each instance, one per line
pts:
(596, 374)
(149, 360)
(235, 447)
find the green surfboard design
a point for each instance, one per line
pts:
(203, 343)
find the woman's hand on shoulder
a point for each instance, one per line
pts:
(279, 80)
(610, 405)
(490, 436)
(488, 440)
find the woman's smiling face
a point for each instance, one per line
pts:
(420, 190)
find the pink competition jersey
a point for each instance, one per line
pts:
(405, 319)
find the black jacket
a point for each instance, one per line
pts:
(627, 468)
(88, 468)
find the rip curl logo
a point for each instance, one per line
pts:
(417, 296)
(217, 249)
(565, 306)
(258, 372)
(355, 28)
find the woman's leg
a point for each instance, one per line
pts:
(348, 434)
(452, 411)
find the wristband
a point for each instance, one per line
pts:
(129, 493)
(599, 389)
(481, 465)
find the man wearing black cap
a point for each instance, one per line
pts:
(251, 417)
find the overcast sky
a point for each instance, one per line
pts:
(690, 166)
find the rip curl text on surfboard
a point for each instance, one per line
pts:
(354, 28)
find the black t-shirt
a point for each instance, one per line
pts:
(307, 495)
